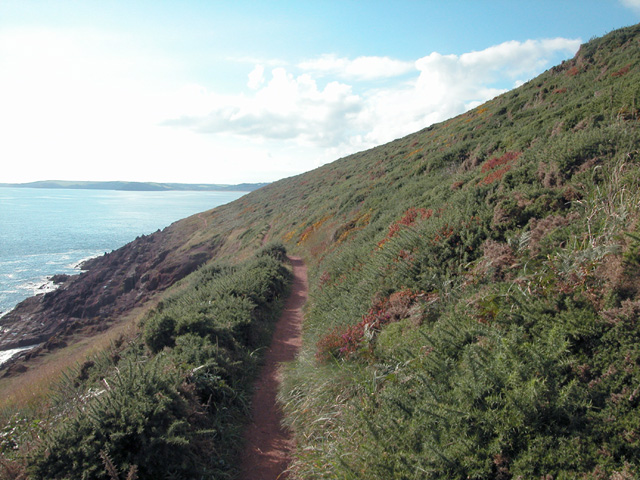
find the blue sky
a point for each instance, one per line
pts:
(229, 92)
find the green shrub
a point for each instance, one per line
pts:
(159, 332)
(178, 412)
(138, 419)
(275, 250)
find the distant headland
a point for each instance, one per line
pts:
(137, 186)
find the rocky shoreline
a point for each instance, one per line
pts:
(110, 286)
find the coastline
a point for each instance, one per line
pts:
(49, 282)
(55, 231)
(7, 355)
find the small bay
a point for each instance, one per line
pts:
(49, 231)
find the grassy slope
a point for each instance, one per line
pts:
(474, 298)
(512, 347)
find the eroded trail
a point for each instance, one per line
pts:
(268, 445)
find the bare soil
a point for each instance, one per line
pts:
(268, 444)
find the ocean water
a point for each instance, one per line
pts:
(48, 231)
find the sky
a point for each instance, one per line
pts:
(198, 91)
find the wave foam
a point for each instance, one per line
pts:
(7, 355)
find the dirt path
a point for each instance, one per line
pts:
(201, 217)
(266, 237)
(268, 447)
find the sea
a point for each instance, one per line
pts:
(44, 232)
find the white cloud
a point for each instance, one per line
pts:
(448, 85)
(361, 68)
(344, 117)
(85, 105)
(256, 77)
(633, 4)
(516, 58)
(286, 108)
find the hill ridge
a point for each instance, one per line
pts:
(135, 186)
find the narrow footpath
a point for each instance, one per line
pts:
(268, 445)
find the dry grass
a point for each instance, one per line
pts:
(31, 388)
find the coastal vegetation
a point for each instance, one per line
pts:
(170, 400)
(473, 313)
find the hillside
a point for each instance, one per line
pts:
(473, 309)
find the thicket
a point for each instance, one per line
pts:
(172, 402)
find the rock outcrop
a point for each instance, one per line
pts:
(110, 286)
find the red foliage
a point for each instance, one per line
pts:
(405, 255)
(344, 342)
(496, 175)
(573, 71)
(505, 159)
(491, 165)
(408, 218)
(621, 72)
(325, 278)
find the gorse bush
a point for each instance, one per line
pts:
(138, 419)
(225, 307)
(176, 409)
